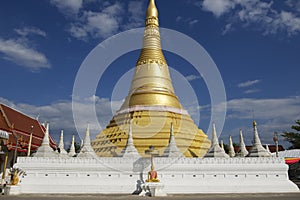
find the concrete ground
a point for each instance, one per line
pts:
(285, 196)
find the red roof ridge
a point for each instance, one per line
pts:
(4, 115)
(15, 109)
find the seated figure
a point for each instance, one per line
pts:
(152, 175)
(14, 178)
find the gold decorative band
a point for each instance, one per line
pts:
(152, 21)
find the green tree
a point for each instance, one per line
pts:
(293, 137)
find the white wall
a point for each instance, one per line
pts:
(180, 176)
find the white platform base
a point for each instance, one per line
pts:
(179, 176)
(12, 190)
(153, 189)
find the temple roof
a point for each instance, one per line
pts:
(22, 125)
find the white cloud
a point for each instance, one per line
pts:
(179, 18)
(248, 83)
(257, 14)
(251, 91)
(105, 19)
(136, 13)
(227, 28)
(193, 22)
(265, 109)
(294, 4)
(97, 24)
(19, 52)
(102, 24)
(192, 77)
(77, 31)
(25, 31)
(285, 21)
(68, 6)
(188, 21)
(218, 7)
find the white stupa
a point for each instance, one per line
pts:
(257, 150)
(72, 151)
(242, 152)
(231, 151)
(87, 151)
(172, 149)
(215, 149)
(61, 145)
(130, 151)
(45, 150)
(222, 145)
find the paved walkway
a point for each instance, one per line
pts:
(286, 196)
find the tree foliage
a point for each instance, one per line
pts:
(293, 137)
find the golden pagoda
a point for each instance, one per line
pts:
(151, 106)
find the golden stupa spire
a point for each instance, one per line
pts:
(152, 10)
(151, 84)
(151, 51)
(151, 106)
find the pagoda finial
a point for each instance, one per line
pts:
(254, 123)
(172, 150)
(46, 136)
(61, 144)
(242, 152)
(215, 140)
(152, 10)
(257, 150)
(215, 149)
(45, 150)
(151, 51)
(61, 141)
(222, 144)
(87, 134)
(231, 152)
(87, 150)
(130, 151)
(72, 147)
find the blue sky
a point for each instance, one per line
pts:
(254, 43)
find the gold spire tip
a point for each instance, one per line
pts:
(152, 10)
(254, 123)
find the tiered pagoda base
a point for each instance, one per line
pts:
(151, 128)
